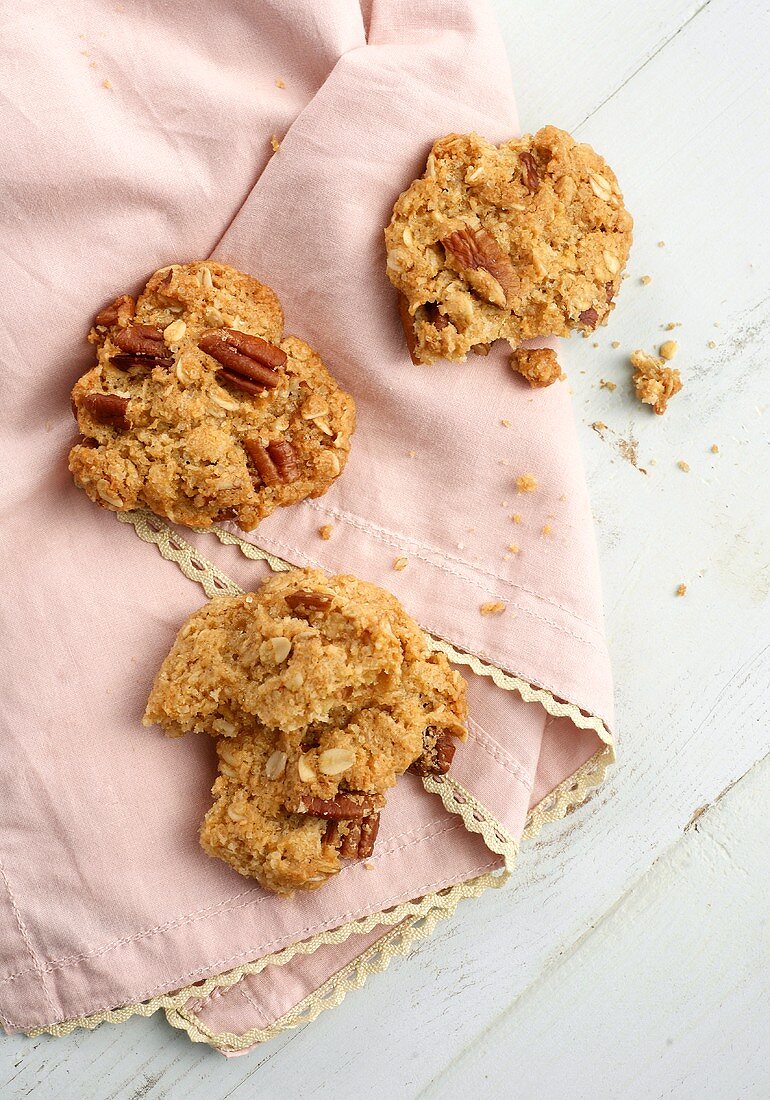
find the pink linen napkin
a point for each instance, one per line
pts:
(141, 137)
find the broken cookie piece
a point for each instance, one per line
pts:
(528, 238)
(539, 366)
(654, 382)
(321, 692)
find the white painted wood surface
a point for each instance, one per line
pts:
(626, 958)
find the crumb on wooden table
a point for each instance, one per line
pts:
(494, 607)
(654, 382)
(400, 564)
(326, 531)
(526, 483)
(681, 589)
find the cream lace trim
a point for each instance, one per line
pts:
(413, 920)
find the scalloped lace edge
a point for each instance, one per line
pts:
(413, 920)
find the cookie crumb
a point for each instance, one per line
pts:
(279, 83)
(681, 589)
(92, 64)
(368, 866)
(504, 503)
(516, 517)
(413, 454)
(539, 366)
(599, 426)
(505, 423)
(667, 350)
(275, 143)
(494, 607)
(400, 564)
(670, 326)
(595, 344)
(514, 549)
(526, 483)
(683, 465)
(655, 383)
(615, 344)
(547, 530)
(106, 84)
(715, 448)
(711, 344)
(326, 531)
(646, 280)
(607, 385)
(661, 244)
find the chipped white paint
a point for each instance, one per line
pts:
(566, 958)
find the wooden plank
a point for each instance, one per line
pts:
(668, 996)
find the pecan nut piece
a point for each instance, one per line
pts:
(285, 460)
(276, 464)
(589, 318)
(476, 255)
(357, 840)
(120, 310)
(142, 346)
(308, 601)
(248, 362)
(107, 408)
(437, 753)
(407, 322)
(350, 806)
(529, 172)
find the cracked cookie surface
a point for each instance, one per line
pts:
(528, 238)
(321, 691)
(200, 409)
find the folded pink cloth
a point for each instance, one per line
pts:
(142, 137)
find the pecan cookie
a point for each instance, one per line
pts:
(200, 409)
(321, 691)
(524, 239)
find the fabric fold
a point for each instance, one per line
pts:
(146, 138)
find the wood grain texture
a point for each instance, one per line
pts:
(674, 94)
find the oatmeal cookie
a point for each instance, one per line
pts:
(200, 409)
(321, 691)
(528, 238)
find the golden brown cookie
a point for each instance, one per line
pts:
(200, 409)
(528, 238)
(321, 691)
